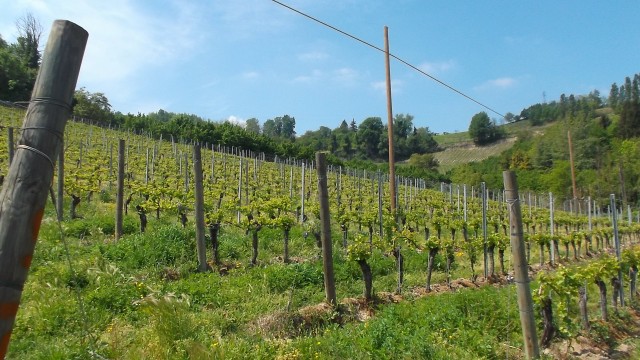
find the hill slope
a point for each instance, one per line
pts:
(459, 149)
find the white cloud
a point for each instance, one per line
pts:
(313, 56)
(396, 86)
(345, 76)
(242, 19)
(124, 37)
(437, 67)
(127, 40)
(314, 76)
(236, 120)
(499, 83)
(248, 75)
(152, 106)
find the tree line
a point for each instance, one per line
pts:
(276, 137)
(369, 139)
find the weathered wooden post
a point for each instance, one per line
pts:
(60, 187)
(199, 208)
(616, 239)
(552, 254)
(520, 267)
(327, 244)
(303, 178)
(120, 189)
(484, 228)
(25, 190)
(10, 143)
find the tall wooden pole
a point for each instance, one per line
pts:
(25, 190)
(520, 267)
(327, 245)
(392, 167)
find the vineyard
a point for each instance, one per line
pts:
(92, 293)
(455, 155)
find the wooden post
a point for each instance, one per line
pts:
(110, 165)
(464, 196)
(327, 245)
(381, 227)
(616, 240)
(239, 190)
(302, 194)
(25, 190)
(392, 168)
(552, 255)
(520, 267)
(199, 208)
(120, 189)
(10, 143)
(484, 228)
(60, 190)
(146, 169)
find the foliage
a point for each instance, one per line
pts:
(603, 135)
(94, 106)
(19, 62)
(424, 161)
(483, 131)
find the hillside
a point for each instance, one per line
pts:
(458, 149)
(456, 154)
(92, 296)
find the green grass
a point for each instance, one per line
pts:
(447, 139)
(141, 298)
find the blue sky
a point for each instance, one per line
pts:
(238, 59)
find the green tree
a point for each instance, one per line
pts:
(16, 80)
(19, 62)
(288, 127)
(422, 141)
(482, 130)
(424, 161)
(509, 117)
(402, 129)
(270, 129)
(94, 106)
(29, 33)
(614, 96)
(253, 125)
(353, 127)
(369, 133)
